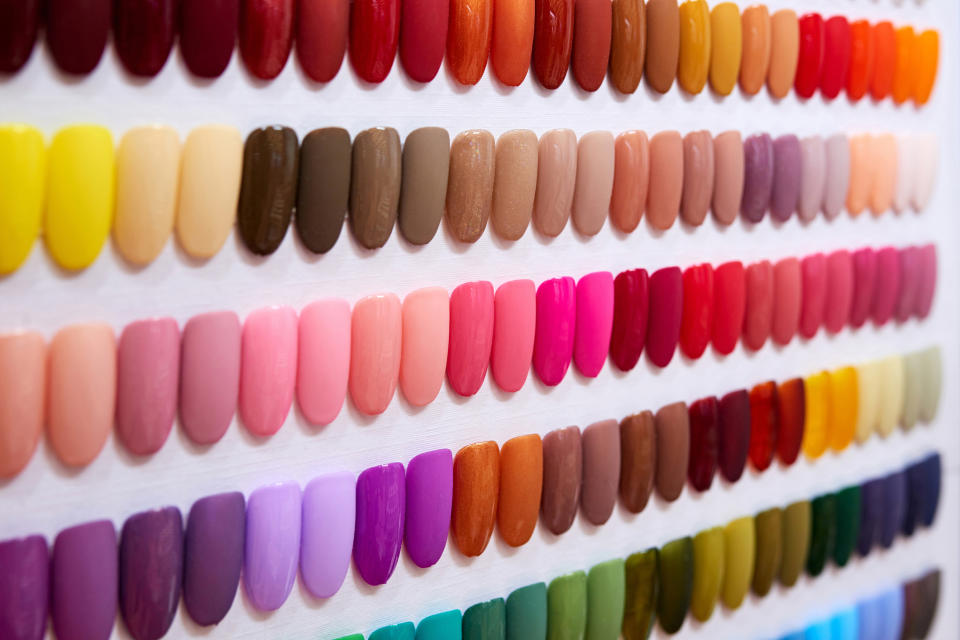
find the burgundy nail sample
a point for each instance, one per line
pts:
(814, 268)
(673, 449)
(697, 323)
(83, 581)
(758, 172)
(839, 299)
(19, 24)
(758, 312)
(378, 533)
(143, 32)
(704, 443)
(213, 556)
(601, 470)
(864, 279)
(594, 322)
(886, 289)
(471, 336)
(630, 306)
(423, 37)
(76, 33)
(733, 433)
(321, 38)
(429, 499)
(909, 283)
(266, 35)
(208, 33)
(791, 412)
(666, 314)
(638, 460)
(562, 474)
(787, 162)
(24, 587)
(374, 35)
(787, 300)
(556, 326)
(729, 305)
(927, 281)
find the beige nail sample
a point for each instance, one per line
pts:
(210, 169)
(728, 176)
(784, 52)
(932, 371)
(884, 172)
(861, 174)
(514, 183)
(556, 178)
(666, 179)
(869, 385)
(594, 186)
(423, 189)
(906, 170)
(631, 179)
(927, 156)
(755, 23)
(470, 186)
(912, 390)
(698, 177)
(838, 175)
(891, 394)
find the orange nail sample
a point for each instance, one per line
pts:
(468, 39)
(521, 483)
(784, 52)
(844, 390)
(755, 22)
(885, 60)
(862, 59)
(512, 40)
(476, 485)
(926, 54)
(903, 65)
(663, 44)
(628, 44)
(695, 46)
(23, 361)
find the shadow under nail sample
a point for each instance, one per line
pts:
(375, 185)
(268, 189)
(323, 191)
(423, 191)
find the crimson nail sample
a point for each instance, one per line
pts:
(423, 37)
(322, 29)
(729, 304)
(592, 32)
(213, 556)
(601, 470)
(514, 326)
(810, 62)
(143, 32)
(666, 315)
(837, 51)
(209, 375)
(764, 425)
(326, 536)
(697, 324)
(886, 289)
(909, 283)
(208, 33)
(374, 35)
(787, 163)
(864, 278)
(758, 308)
(594, 322)
(562, 475)
(630, 307)
(19, 24)
(704, 443)
(814, 287)
(758, 170)
(791, 412)
(787, 300)
(429, 499)
(733, 434)
(24, 588)
(836, 312)
(381, 499)
(76, 33)
(266, 35)
(552, 41)
(272, 544)
(556, 325)
(471, 336)
(84, 582)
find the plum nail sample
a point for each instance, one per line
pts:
(24, 588)
(84, 581)
(381, 499)
(213, 556)
(758, 153)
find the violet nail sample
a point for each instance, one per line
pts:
(83, 581)
(381, 502)
(871, 512)
(864, 279)
(886, 290)
(24, 588)
(787, 163)
(894, 507)
(326, 538)
(272, 545)
(594, 322)
(758, 173)
(429, 494)
(556, 326)
(665, 316)
(910, 266)
(733, 434)
(213, 556)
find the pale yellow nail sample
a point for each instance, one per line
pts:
(891, 394)
(932, 383)
(868, 399)
(22, 173)
(912, 390)
(816, 389)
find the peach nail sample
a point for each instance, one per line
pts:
(514, 323)
(814, 287)
(758, 175)
(728, 165)
(884, 170)
(556, 326)
(631, 179)
(755, 22)
(556, 179)
(268, 368)
(476, 484)
(666, 179)
(861, 173)
(698, 176)
(323, 359)
(813, 177)
(471, 336)
(209, 375)
(591, 196)
(787, 300)
(23, 363)
(514, 183)
(906, 171)
(784, 52)
(787, 168)
(839, 298)
(424, 336)
(837, 182)
(470, 185)
(521, 485)
(594, 322)
(375, 349)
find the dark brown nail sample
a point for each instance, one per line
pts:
(562, 473)
(601, 470)
(470, 187)
(734, 434)
(423, 191)
(268, 189)
(324, 190)
(663, 43)
(638, 460)
(375, 185)
(673, 450)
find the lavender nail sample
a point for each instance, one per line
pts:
(151, 571)
(379, 529)
(787, 166)
(429, 501)
(83, 581)
(894, 507)
(757, 177)
(871, 512)
(24, 588)
(329, 515)
(272, 545)
(213, 556)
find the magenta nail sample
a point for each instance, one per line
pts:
(208, 33)
(927, 281)
(272, 546)
(381, 501)
(556, 325)
(758, 174)
(594, 322)
(213, 556)
(704, 425)
(814, 268)
(24, 588)
(151, 571)
(666, 315)
(76, 33)
(864, 279)
(83, 581)
(471, 336)
(209, 375)
(323, 359)
(143, 32)
(787, 163)
(514, 328)
(886, 290)
(758, 315)
(268, 369)
(733, 434)
(910, 266)
(148, 368)
(836, 312)
(326, 539)
(787, 300)
(19, 25)
(429, 501)
(630, 307)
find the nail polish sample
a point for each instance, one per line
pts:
(567, 606)
(562, 474)
(861, 173)
(526, 612)
(787, 168)
(468, 44)
(729, 306)
(673, 438)
(514, 326)
(764, 425)
(663, 327)
(429, 500)
(630, 307)
(843, 409)
(871, 508)
(733, 434)
(606, 590)
(796, 541)
(143, 33)
(883, 177)
(266, 36)
(926, 51)
(909, 283)
(628, 44)
(814, 287)
(728, 176)
(791, 419)
(921, 599)
(323, 359)
(592, 33)
(926, 155)
(552, 41)
(23, 167)
(813, 177)
(379, 528)
(769, 550)
(84, 581)
(323, 187)
(601, 470)
(836, 184)
(903, 65)
(470, 186)
(213, 556)
(326, 537)
(471, 336)
(892, 385)
(268, 190)
(698, 176)
(440, 626)
(21, 22)
(926, 281)
(823, 531)
(863, 52)
(423, 37)
(268, 369)
(23, 364)
(321, 37)
(638, 460)
(663, 44)
(375, 351)
(759, 173)
(848, 524)
(912, 390)
(665, 192)
(76, 33)
(521, 485)
(704, 443)
(207, 33)
(837, 52)
(932, 372)
(209, 375)
(886, 290)
(402, 631)
(739, 561)
(757, 48)
(595, 165)
(476, 484)
(840, 287)
(272, 544)
(25, 588)
(932, 481)
(148, 368)
(642, 593)
(512, 40)
(817, 405)
(708, 552)
(895, 505)
(514, 183)
(374, 184)
(864, 278)
(555, 329)
(698, 302)
(486, 620)
(594, 322)
(423, 192)
(869, 381)
(787, 300)
(695, 46)
(758, 309)
(784, 52)
(424, 344)
(810, 62)
(905, 173)
(726, 47)
(676, 583)
(556, 180)
(631, 180)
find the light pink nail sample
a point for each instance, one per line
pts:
(268, 369)
(906, 170)
(787, 300)
(209, 375)
(323, 361)
(836, 312)
(148, 369)
(375, 348)
(23, 363)
(927, 156)
(556, 325)
(591, 196)
(514, 325)
(594, 322)
(928, 281)
(471, 336)
(838, 175)
(813, 177)
(425, 336)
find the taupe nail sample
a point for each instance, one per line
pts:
(375, 185)
(601, 470)
(323, 192)
(591, 196)
(470, 187)
(423, 188)
(838, 175)
(666, 179)
(268, 189)
(698, 176)
(514, 183)
(556, 179)
(562, 473)
(638, 460)
(673, 449)
(728, 176)
(663, 44)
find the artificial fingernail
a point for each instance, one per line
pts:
(323, 359)
(213, 556)
(769, 536)
(733, 434)
(76, 33)
(883, 151)
(470, 186)
(552, 41)
(441, 626)
(764, 427)
(512, 40)
(839, 298)
(642, 590)
(757, 47)
(698, 176)
(813, 177)
(326, 536)
(562, 474)
(374, 183)
(844, 408)
(759, 172)
(22, 183)
(814, 287)
(268, 189)
(912, 390)
(784, 52)
(84, 581)
(810, 59)
(268, 369)
(729, 306)
(816, 425)
(471, 336)
(663, 44)
(695, 45)
(871, 508)
(926, 154)
(476, 485)
(909, 283)
(605, 600)
(927, 281)
(673, 437)
(638, 459)
(486, 620)
(864, 277)
(209, 375)
(429, 502)
(739, 561)
(895, 506)
(905, 173)
(823, 531)
(791, 419)
(796, 542)
(628, 44)
(862, 59)
(21, 22)
(526, 612)
(143, 33)
(211, 166)
(567, 606)
(704, 443)
(423, 193)
(904, 65)
(601, 470)
(921, 598)
(758, 308)
(375, 351)
(556, 180)
(424, 344)
(631, 178)
(266, 35)
(663, 326)
(787, 300)
(629, 329)
(726, 47)
(323, 187)
(886, 289)
(932, 372)
(591, 196)
(272, 544)
(23, 364)
(676, 583)
(379, 527)
(521, 484)
(321, 37)
(837, 183)
(514, 183)
(514, 325)
(787, 167)
(697, 323)
(594, 322)
(861, 173)
(207, 33)
(25, 588)
(555, 329)
(848, 524)
(932, 472)
(868, 400)
(665, 190)
(592, 33)
(402, 631)
(891, 394)
(926, 51)
(837, 51)
(729, 176)
(708, 559)
(148, 368)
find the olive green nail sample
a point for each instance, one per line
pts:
(708, 561)
(642, 592)
(605, 598)
(527, 613)
(848, 524)
(796, 541)
(375, 185)
(676, 583)
(323, 192)
(423, 190)
(823, 530)
(485, 621)
(740, 550)
(932, 383)
(769, 526)
(567, 607)
(268, 188)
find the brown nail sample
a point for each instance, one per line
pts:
(470, 187)
(562, 473)
(268, 188)
(638, 460)
(423, 187)
(556, 179)
(728, 166)
(673, 449)
(476, 485)
(628, 44)
(663, 43)
(601, 470)
(591, 195)
(698, 176)
(323, 191)
(666, 179)
(521, 484)
(375, 185)
(755, 22)
(514, 183)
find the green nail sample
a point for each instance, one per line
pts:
(740, 543)
(485, 621)
(769, 526)
(848, 524)
(527, 613)
(912, 390)
(676, 583)
(355, 636)
(708, 557)
(567, 607)
(796, 542)
(605, 594)
(932, 382)
(642, 593)
(403, 631)
(823, 529)
(441, 626)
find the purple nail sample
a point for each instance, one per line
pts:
(151, 571)
(272, 545)
(665, 316)
(757, 177)
(329, 514)
(787, 163)
(213, 556)
(871, 512)
(864, 277)
(429, 501)
(910, 266)
(886, 291)
(83, 581)
(24, 588)
(556, 326)
(894, 507)
(209, 375)
(379, 529)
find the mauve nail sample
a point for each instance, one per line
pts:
(268, 189)
(143, 32)
(839, 299)
(272, 544)
(886, 289)
(666, 315)
(470, 184)
(704, 442)
(673, 449)
(864, 279)
(871, 510)
(423, 189)
(601, 470)
(213, 556)
(814, 269)
(19, 23)
(758, 170)
(84, 582)
(733, 432)
(630, 307)
(894, 507)
(910, 265)
(923, 300)
(562, 473)
(323, 188)
(429, 498)
(813, 177)
(787, 172)
(209, 375)
(76, 33)
(638, 460)
(791, 412)
(326, 534)
(208, 33)
(375, 185)
(24, 588)
(758, 312)
(379, 529)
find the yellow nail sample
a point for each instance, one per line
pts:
(912, 390)
(740, 545)
(695, 35)
(22, 173)
(891, 394)
(843, 407)
(80, 195)
(932, 382)
(816, 390)
(868, 399)
(726, 47)
(708, 557)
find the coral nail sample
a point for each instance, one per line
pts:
(787, 167)
(758, 307)
(266, 36)
(591, 196)
(697, 323)
(374, 36)
(729, 306)
(638, 460)
(375, 351)
(143, 33)
(476, 485)
(375, 185)
(764, 425)
(84, 581)
(321, 37)
(696, 38)
(666, 305)
(268, 190)
(555, 329)
(601, 470)
(268, 369)
(759, 171)
(728, 177)
(810, 61)
(423, 35)
(20, 24)
(514, 326)
(839, 298)
(207, 34)
(594, 322)
(471, 336)
(562, 474)
(628, 44)
(784, 52)
(630, 308)
(552, 41)
(814, 287)
(791, 419)
(757, 46)
(698, 177)
(272, 544)
(429, 501)
(592, 33)
(468, 44)
(209, 375)
(726, 47)
(326, 537)
(424, 344)
(378, 532)
(213, 556)
(556, 181)
(23, 368)
(512, 40)
(470, 184)
(323, 187)
(861, 173)
(787, 300)
(323, 359)
(514, 183)
(663, 44)
(704, 442)
(666, 179)
(521, 485)
(76, 33)
(733, 434)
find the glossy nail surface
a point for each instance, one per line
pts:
(758, 181)
(555, 329)
(631, 180)
(272, 544)
(514, 183)
(476, 485)
(704, 443)
(380, 519)
(521, 485)
(630, 309)
(471, 336)
(374, 36)
(663, 44)
(84, 581)
(552, 41)
(594, 322)
(695, 43)
(23, 364)
(470, 185)
(666, 179)
(76, 33)
(326, 536)
(485, 620)
(323, 359)
(642, 592)
(755, 21)
(514, 326)
(143, 33)
(601, 470)
(468, 44)
(784, 52)
(375, 351)
(423, 36)
(556, 181)
(726, 47)
(375, 184)
(425, 341)
(810, 61)
(429, 499)
(628, 44)
(266, 35)
(638, 460)
(567, 606)
(526, 612)
(698, 177)
(562, 474)
(268, 369)
(323, 187)
(512, 40)
(591, 196)
(268, 190)
(209, 375)
(213, 556)
(728, 178)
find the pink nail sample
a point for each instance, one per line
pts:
(209, 375)
(813, 177)
(268, 368)
(758, 316)
(836, 312)
(148, 367)
(886, 289)
(471, 336)
(697, 323)
(326, 539)
(814, 268)
(424, 339)
(909, 283)
(23, 363)
(594, 322)
(864, 279)
(838, 175)
(787, 300)
(514, 327)
(729, 304)
(375, 348)
(556, 324)
(927, 281)
(323, 362)
(666, 314)
(630, 307)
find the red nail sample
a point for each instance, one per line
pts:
(592, 30)
(729, 304)
(814, 268)
(886, 289)
(928, 281)
(266, 34)
(19, 24)
(322, 29)
(733, 434)
(837, 42)
(143, 33)
(909, 283)
(836, 313)
(864, 278)
(758, 315)
(552, 41)
(703, 443)
(630, 305)
(884, 62)
(764, 428)
(471, 336)
(810, 62)
(76, 32)
(791, 411)
(208, 33)
(423, 37)
(374, 33)
(787, 300)
(666, 314)
(862, 54)
(697, 324)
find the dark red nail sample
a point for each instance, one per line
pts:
(630, 304)
(24, 588)
(266, 34)
(729, 304)
(814, 268)
(592, 30)
(733, 434)
(697, 321)
(76, 32)
(839, 300)
(910, 265)
(322, 29)
(810, 61)
(19, 24)
(791, 412)
(703, 443)
(886, 290)
(927, 281)
(864, 277)
(374, 33)
(143, 33)
(423, 37)
(758, 314)
(208, 33)
(837, 43)
(552, 41)
(666, 314)
(764, 427)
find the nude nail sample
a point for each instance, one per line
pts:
(476, 482)
(592, 33)
(839, 296)
(268, 189)
(729, 306)
(470, 186)
(733, 431)
(666, 179)
(755, 21)
(562, 474)
(810, 60)
(521, 485)
(601, 470)
(813, 177)
(638, 460)
(814, 286)
(628, 44)
(471, 336)
(796, 541)
(892, 395)
(268, 369)
(769, 537)
(758, 176)
(739, 561)
(836, 187)
(424, 344)
(696, 38)
(423, 192)
(468, 39)
(697, 323)
(726, 47)
(24, 587)
(704, 442)
(791, 409)
(514, 326)
(764, 425)
(905, 173)
(84, 581)
(552, 41)
(594, 322)
(594, 182)
(514, 183)
(666, 306)
(698, 177)
(378, 532)
(213, 556)
(23, 365)
(784, 52)
(556, 180)
(787, 300)
(926, 155)
(321, 37)
(631, 179)
(787, 173)
(512, 44)
(375, 185)
(887, 287)
(555, 329)
(429, 503)
(630, 310)
(663, 44)
(758, 310)
(884, 170)
(642, 591)
(861, 173)
(728, 162)
(323, 187)
(673, 449)
(375, 349)
(708, 557)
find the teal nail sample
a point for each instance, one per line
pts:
(527, 613)
(441, 626)
(485, 621)
(402, 631)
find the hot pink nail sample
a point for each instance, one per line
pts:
(909, 283)
(148, 368)
(864, 279)
(425, 335)
(665, 315)
(594, 322)
(814, 268)
(375, 349)
(556, 324)
(268, 369)
(927, 282)
(471, 336)
(758, 318)
(23, 363)
(836, 312)
(886, 291)
(514, 327)
(323, 361)
(209, 375)
(787, 300)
